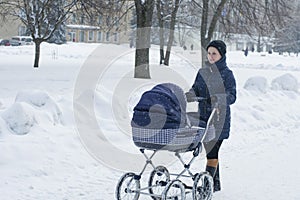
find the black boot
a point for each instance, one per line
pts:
(211, 170)
(217, 183)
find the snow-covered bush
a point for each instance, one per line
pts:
(19, 117)
(31, 107)
(285, 82)
(36, 98)
(257, 83)
(42, 101)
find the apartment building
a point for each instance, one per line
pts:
(97, 29)
(11, 27)
(82, 27)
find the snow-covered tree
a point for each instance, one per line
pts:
(288, 37)
(210, 12)
(59, 35)
(111, 11)
(166, 11)
(255, 18)
(43, 18)
(189, 21)
(165, 20)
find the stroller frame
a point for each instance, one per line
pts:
(160, 185)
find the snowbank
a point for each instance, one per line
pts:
(257, 83)
(42, 101)
(30, 108)
(285, 82)
(19, 117)
(36, 98)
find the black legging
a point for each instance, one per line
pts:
(212, 149)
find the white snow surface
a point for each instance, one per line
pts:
(44, 155)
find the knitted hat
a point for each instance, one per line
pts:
(218, 44)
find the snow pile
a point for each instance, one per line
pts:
(35, 98)
(285, 82)
(42, 101)
(19, 117)
(257, 83)
(31, 107)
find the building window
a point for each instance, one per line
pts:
(82, 19)
(91, 35)
(99, 37)
(22, 30)
(72, 35)
(92, 20)
(116, 37)
(107, 36)
(81, 36)
(116, 22)
(108, 20)
(74, 18)
(100, 20)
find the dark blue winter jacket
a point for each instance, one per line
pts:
(216, 80)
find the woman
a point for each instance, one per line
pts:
(215, 84)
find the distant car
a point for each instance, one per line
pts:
(23, 40)
(4, 43)
(28, 41)
(14, 43)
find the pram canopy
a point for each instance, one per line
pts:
(160, 120)
(162, 107)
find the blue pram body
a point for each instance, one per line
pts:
(160, 120)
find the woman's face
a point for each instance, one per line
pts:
(213, 55)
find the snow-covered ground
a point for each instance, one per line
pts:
(65, 134)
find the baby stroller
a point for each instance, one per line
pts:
(160, 123)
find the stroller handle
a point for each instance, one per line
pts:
(209, 121)
(194, 99)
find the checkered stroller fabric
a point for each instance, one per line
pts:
(160, 120)
(183, 139)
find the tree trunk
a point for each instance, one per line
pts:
(142, 60)
(37, 53)
(168, 51)
(207, 28)
(142, 69)
(171, 33)
(258, 44)
(203, 30)
(161, 32)
(144, 13)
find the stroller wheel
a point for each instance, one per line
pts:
(128, 187)
(158, 180)
(203, 186)
(175, 190)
